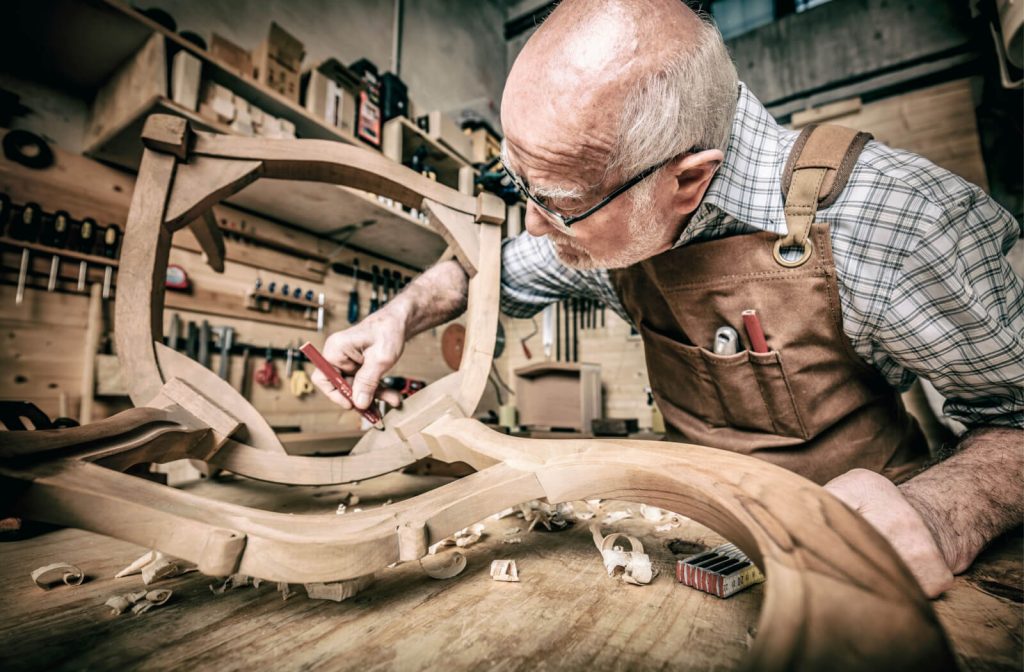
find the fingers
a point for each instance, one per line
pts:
(368, 376)
(325, 386)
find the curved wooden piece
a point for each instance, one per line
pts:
(837, 596)
(256, 432)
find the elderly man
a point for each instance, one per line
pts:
(658, 184)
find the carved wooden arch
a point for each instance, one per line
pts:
(837, 596)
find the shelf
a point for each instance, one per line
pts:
(324, 209)
(401, 139)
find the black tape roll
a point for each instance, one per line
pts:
(15, 143)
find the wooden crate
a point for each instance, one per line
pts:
(558, 395)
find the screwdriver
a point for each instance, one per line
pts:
(353, 296)
(25, 226)
(385, 289)
(56, 235)
(111, 238)
(375, 298)
(83, 243)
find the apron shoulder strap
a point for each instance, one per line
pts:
(816, 172)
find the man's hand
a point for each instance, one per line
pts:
(882, 504)
(366, 351)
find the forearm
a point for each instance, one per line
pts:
(435, 297)
(974, 496)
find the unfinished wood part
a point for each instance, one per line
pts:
(256, 432)
(206, 412)
(202, 182)
(443, 565)
(210, 240)
(91, 344)
(338, 591)
(462, 236)
(167, 134)
(142, 272)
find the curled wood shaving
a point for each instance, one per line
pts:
(139, 602)
(553, 518)
(633, 566)
(504, 570)
(444, 566)
(45, 577)
(285, 589)
(616, 516)
(338, 591)
(512, 540)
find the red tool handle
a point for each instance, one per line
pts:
(754, 331)
(311, 353)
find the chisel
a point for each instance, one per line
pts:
(353, 296)
(25, 226)
(56, 235)
(111, 238)
(204, 344)
(83, 243)
(385, 290)
(375, 297)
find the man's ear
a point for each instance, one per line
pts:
(692, 174)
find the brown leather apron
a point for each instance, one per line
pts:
(810, 404)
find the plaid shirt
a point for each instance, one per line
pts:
(920, 255)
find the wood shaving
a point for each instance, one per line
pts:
(633, 566)
(235, 581)
(504, 570)
(338, 591)
(285, 589)
(504, 513)
(47, 576)
(154, 566)
(138, 602)
(444, 566)
(512, 540)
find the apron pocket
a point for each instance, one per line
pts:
(754, 392)
(680, 378)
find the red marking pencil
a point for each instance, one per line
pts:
(755, 334)
(311, 353)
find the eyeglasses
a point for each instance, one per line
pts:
(562, 222)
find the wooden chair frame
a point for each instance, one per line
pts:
(837, 596)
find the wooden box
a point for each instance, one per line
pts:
(559, 395)
(277, 62)
(231, 55)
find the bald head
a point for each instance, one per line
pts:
(574, 74)
(603, 91)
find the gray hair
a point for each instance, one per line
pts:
(688, 102)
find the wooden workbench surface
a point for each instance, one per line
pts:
(565, 614)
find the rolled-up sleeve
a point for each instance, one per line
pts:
(532, 277)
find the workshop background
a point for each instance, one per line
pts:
(933, 77)
(419, 81)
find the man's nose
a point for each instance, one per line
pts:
(536, 222)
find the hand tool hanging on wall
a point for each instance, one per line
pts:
(320, 300)
(204, 344)
(353, 295)
(385, 290)
(524, 339)
(172, 334)
(575, 333)
(309, 309)
(288, 360)
(246, 387)
(111, 240)
(266, 375)
(56, 230)
(313, 355)
(83, 243)
(176, 278)
(227, 337)
(25, 226)
(192, 341)
(299, 383)
(558, 331)
(375, 296)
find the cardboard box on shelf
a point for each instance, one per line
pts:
(277, 62)
(326, 99)
(230, 54)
